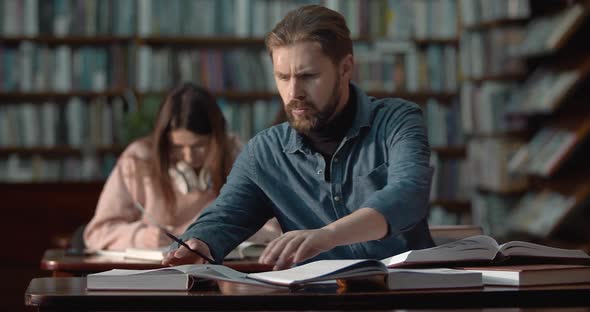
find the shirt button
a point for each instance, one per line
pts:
(335, 160)
(336, 198)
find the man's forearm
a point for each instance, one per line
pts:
(363, 225)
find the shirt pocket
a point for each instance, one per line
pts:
(365, 185)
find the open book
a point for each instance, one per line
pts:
(135, 253)
(324, 271)
(484, 249)
(245, 250)
(373, 270)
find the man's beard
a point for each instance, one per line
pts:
(312, 119)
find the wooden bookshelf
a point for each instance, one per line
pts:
(450, 151)
(36, 96)
(497, 23)
(499, 77)
(453, 206)
(59, 151)
(70, 40)
(201, 41)
(244, 96)
(429, 41)
(502, 192)
(419, 97)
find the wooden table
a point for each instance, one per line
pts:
(69, 293)
(63, 265)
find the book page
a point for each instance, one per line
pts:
(479, 247)
(321, 270)
(519, 248)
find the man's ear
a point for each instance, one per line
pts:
(346, 67)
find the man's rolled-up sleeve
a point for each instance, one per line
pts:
(404, 200)
(238, 212)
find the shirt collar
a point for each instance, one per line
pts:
(361, 120)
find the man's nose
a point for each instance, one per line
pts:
(296, 90)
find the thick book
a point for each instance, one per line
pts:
(484, 250)
(533, 275)
(181, 278)
(412, 279)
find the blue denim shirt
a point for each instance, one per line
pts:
(382, 163)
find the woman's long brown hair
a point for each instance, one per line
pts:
(192, 108)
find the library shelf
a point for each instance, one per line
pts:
(449, 151)
(497, 23)
(453, 206)
(60, 151)
(438, 41)
(56, 95)
(70, 40)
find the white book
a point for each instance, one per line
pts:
(144, 68)
(436, 278)
(242, 18)
(534, 275)
(74, 120)
(144, 18)
(10, 18)
(180, 278)
(30, 124)
(31, 18)
(49, 115)
(63, 69)
(565, 21)
(27, 52)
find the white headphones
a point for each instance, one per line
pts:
(186, 179)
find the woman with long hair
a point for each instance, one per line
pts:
(174, 174)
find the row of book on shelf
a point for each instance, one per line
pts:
(88, 167)
(477, 12)
(243, 18)
(379, 66)
(494, 107)
(503, 164)
(470, 262)
(403, 66)
(451, 179)
(32, 67)
(491, 52)
(105, 122)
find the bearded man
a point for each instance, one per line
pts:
(347, 177)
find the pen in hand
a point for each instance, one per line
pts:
(174, 238)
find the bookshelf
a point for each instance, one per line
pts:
(535, 121)
(120, 96)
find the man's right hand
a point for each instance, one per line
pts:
(181, 255)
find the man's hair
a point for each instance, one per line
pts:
(313, 23)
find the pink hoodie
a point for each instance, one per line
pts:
(117, 224)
